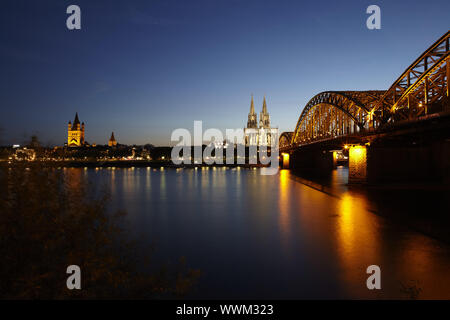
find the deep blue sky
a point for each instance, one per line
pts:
(144, 68)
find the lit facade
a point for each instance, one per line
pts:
(112, 141)
(75, 133)
(262, 134)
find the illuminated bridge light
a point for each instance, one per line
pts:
(285, 160)
(357, 164)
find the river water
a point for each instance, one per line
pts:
(256, 236)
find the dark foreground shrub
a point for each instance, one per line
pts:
(48, 222)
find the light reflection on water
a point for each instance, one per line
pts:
(257, 236)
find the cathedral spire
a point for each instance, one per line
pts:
(264, 118)
(252, 106)
(264, 109)
(252, 121)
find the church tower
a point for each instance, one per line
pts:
(264, 118)
(252, 117)
(251, 133)
(75, 133)
(262, 134)
(112, 141)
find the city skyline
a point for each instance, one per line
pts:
(225, 158)
(176, 63)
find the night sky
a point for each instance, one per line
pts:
(144, 68)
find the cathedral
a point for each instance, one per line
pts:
(75, 133)
(259, 135)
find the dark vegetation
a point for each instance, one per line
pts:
(48, 222)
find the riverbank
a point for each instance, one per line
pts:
(128, 164)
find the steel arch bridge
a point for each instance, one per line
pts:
(421, 90)
(285, 139)
(334, 113)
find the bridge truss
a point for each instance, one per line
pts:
(421, 90)
(334, 113)
(285, 140)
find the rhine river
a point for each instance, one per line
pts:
(256, 236)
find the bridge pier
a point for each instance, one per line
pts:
(427, 162)
(285, 159)
(357, 164)
(405, 159)
(312, 161)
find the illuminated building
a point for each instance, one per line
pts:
(112, 141)
(259, 135)
(75, 133)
